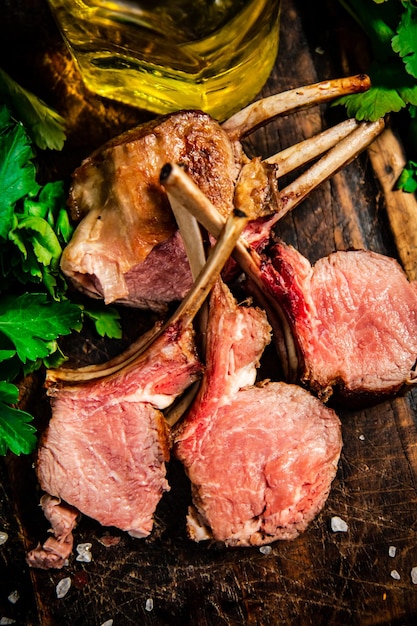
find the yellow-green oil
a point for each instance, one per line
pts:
(213, 55)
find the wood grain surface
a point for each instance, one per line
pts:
(323, 577)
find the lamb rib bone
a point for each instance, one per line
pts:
(340, 155)
(184, 315)
(301, 153)
(191, 234)
(346, 144)
(257, 113)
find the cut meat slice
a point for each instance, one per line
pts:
(261, 459)
(105, 448)
(233, 351)
(354, 317)
(262, 467)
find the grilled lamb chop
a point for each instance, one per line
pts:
(261, 459)
(126, 248)
(105, 447)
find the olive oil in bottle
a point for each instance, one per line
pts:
(165, 55)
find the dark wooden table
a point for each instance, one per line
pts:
(323, 577)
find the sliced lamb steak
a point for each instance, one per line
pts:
(261, 459)
(354, 317)
(105, 448)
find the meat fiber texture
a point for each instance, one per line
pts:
(354, 317)
(261, 459)
(126, 248)
(105, 449)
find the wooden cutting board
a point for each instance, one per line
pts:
(362, 576)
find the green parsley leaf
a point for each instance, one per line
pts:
(44, 241)
(405, 41)
(392, 90)
(33, 220)
(372, 104)
(106, 320)
(32, 321)
(17, 171)
(46, 126)
(56, 359)
(16, 432)
(408, 178)
(5, 355)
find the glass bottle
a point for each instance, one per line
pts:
(166, 55)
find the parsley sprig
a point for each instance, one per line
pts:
(391, 28)
(35, 310)
(44, 125)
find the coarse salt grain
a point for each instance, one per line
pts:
(14, 596)
(414, 575)
(3, 537)
(265, 550)
(84, 553)
(149, 605)
(63, 587)
(109, 622)
(7, 620)
(392, 551)
(362, 437)
(395, 575)
(338, 525)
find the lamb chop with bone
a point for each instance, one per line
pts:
(104, 451)
(127, 248)
(347, 326)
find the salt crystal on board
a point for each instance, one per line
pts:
(109, 622)
(395, 575)
(414, 575)
(392, 551)
(338, 524)
(63, 587)
(149, 605)
(7, 620)
(3, 537)
(265, 550)
(14, 596)
(84, 553)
